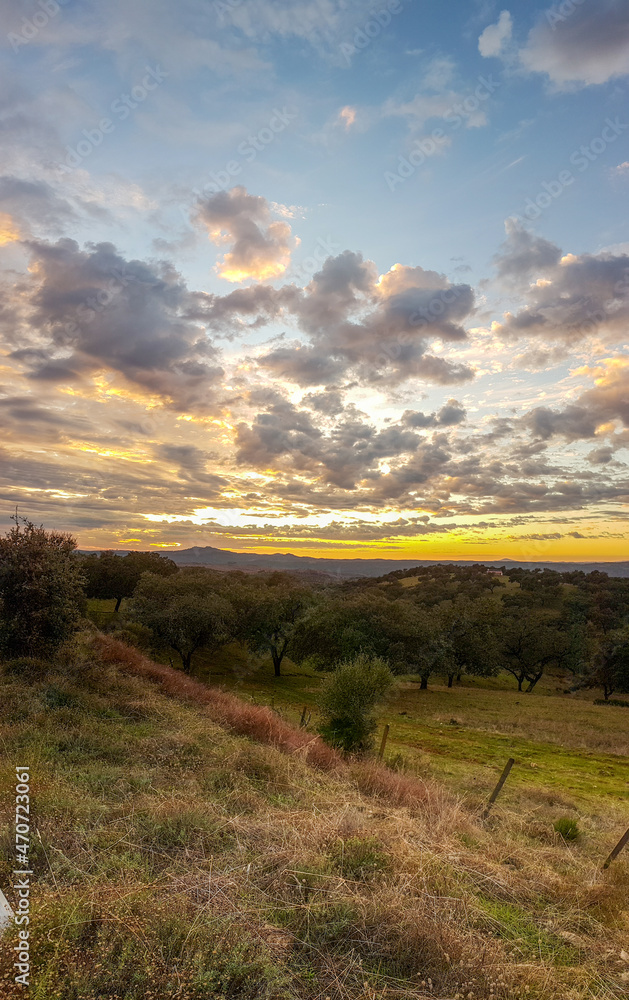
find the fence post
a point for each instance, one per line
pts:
(497, 790)
(385, 736)
(618, 848)
(302, 721)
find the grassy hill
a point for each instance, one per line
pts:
(193, 845)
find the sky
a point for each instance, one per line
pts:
(331, 277)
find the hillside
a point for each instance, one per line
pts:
(177, 857)
(255, 562)
(347, 568)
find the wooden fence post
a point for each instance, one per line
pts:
(385, 736)
(497, 790)
(618, 848)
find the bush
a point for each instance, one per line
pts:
(348, 699)
(566, 828)
(41, 590)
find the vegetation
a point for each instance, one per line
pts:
(192, 843)
(348, 700)
(436, 622)
(110, 575)
(269, 611)
(183, 613)
(41, 590)
(179, 859)
(567, 828)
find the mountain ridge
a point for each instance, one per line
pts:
(347, 568)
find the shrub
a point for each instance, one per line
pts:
(348, 699)
(41, 590)
(566, 828)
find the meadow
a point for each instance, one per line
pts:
(192, 844)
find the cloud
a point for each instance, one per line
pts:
(524, 255)
(571, 298)
(375, 328)
(84, 310)
(347, 116)
(495, 36)
(572, 423)
(593, 412)
(261, 247)
(320, 22)
(9, 232)
(449, 415)
(585, 46)
(35, 204)
(438, 97)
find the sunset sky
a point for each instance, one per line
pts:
(331, 277)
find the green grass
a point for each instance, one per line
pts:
(142, 803)
(563, 744)
(464, 735)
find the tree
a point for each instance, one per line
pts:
(337, 629)
(348, 699)
(529, 642)
(268, 612)
(111, 576)
(468, 636)
(580, 637)
(41, 590)
(610, 666)
(183, 612)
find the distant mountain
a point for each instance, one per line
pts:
(251, 562)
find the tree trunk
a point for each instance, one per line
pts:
(450, 680)
(533, 681)
(118, 603)
(424, 684)
(520, 682)
(277, 661)
(186, 659)
(458, 678)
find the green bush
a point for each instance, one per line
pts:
(567, 828)
(41, 590)
(348, 699)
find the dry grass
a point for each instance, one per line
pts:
(181, 859)
(264, 725)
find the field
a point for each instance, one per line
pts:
(178, 857)
(566, 748)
